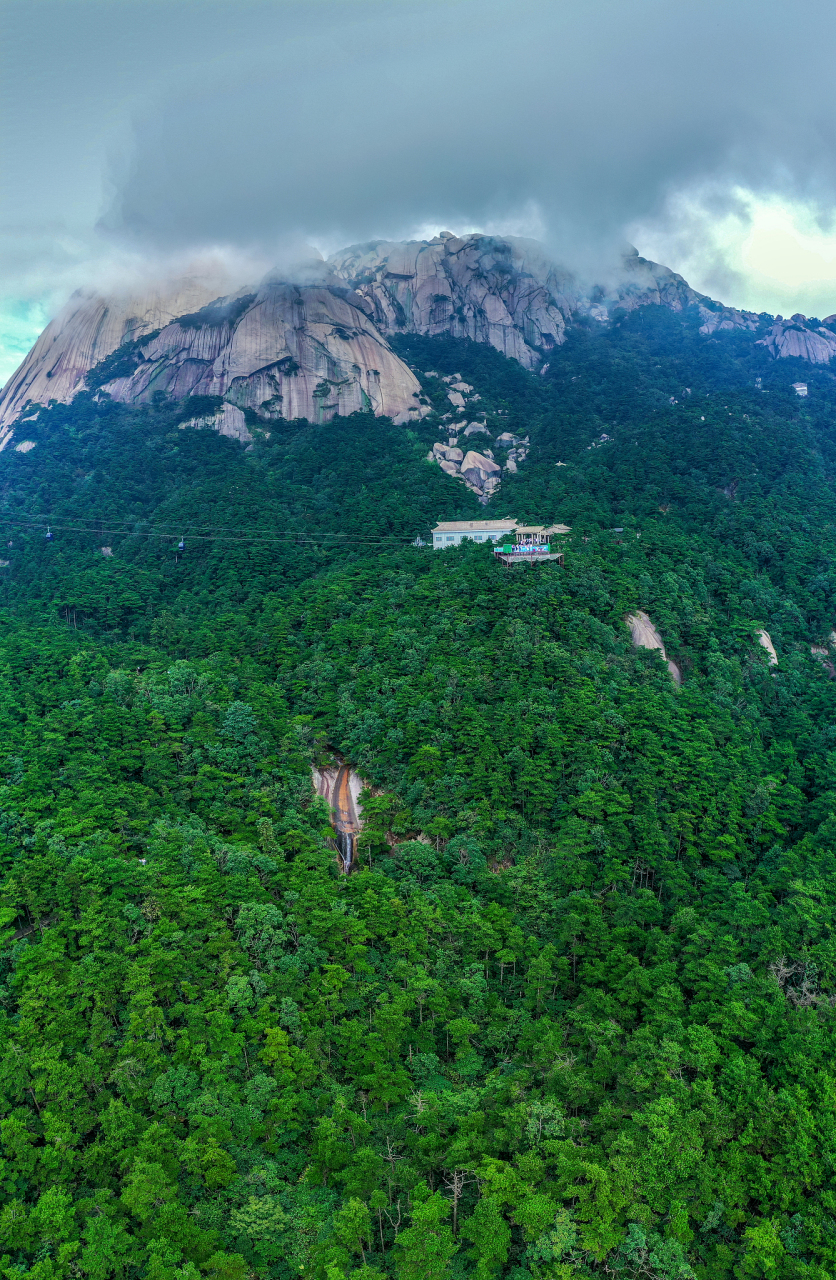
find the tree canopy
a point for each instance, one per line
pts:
(573, 1011)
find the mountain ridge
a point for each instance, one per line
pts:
(322, 349)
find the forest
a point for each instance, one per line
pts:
(573, 1012)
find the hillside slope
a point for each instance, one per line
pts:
(572, 1012)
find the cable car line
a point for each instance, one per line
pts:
(239, 537)
(165, 529)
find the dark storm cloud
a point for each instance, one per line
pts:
(339, 120)
(353, 120)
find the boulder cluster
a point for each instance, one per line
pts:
(480, 471)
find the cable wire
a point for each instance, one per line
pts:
(220, 533)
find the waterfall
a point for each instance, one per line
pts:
(341, 786)
(346, 841)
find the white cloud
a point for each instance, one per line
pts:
(759, 252)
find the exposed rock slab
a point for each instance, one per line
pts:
(645, 636)
(319, 350)
(795, 338)
(296, 352)
(88, 329)
(506, 292)
(765, 641)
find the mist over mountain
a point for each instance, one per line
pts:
(203, 128)
(281, 349)
(417, 646)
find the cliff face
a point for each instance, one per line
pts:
(503, 291)
(291, 352)
(317, 350)
(88, 329)
(507, 292)
(284, 351)
(797, 337)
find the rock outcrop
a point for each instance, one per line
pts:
(88, 329)
(294, 352)
(717, 319)
(320, 349)
(283, 351)
(480, 471)
(341, 786)
(506, 292)
(645, 636)
(824, 653)
(227, 421)
(765, 641)
(795, 337)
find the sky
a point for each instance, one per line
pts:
(138, 136)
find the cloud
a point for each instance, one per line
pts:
(374, 119)
(152, 131)
(760, 252)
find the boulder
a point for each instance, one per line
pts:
(451, 468)
(478, 462)
(448, 453)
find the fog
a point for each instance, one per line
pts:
(139, 135)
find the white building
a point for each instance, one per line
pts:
(450, 533)
(800, 388)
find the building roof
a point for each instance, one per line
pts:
(545, 529)
(501, 526)
(475, 526)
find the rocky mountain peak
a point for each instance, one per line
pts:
(318, 347)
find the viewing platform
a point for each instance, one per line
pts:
(533, 543)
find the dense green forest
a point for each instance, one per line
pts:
(573, 1013)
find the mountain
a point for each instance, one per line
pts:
(88, 329)
(316, 350)
(570, 1012)
(501, 290)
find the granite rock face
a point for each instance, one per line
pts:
(317, 350)
(283, 351)
(228, 421)
(88, 329)
(795, 337)
(294, 352)
(505, 292)
(645, 636)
